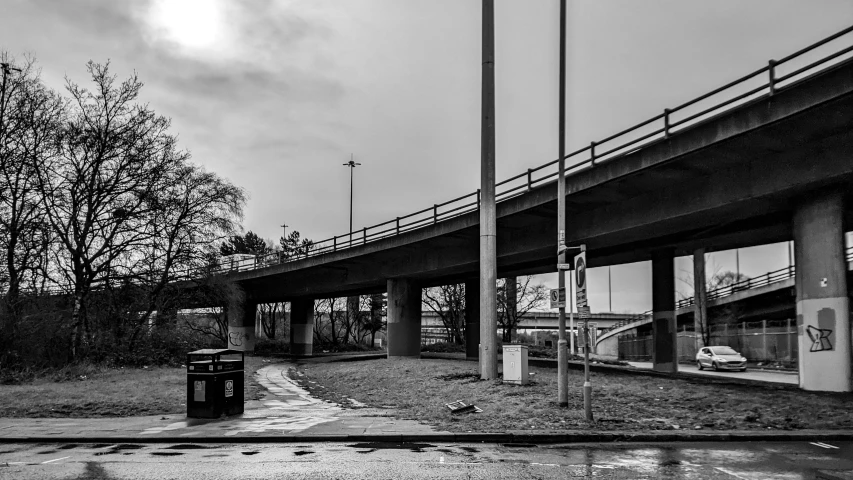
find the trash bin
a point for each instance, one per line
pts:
(515, 364)
(214, 383)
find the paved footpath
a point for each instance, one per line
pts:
(286, 411)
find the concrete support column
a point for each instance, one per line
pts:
(302, 327)
(472, 319)
(700, 299)
(241, 315)
(404, 318)
(665, 351)
(823, 307)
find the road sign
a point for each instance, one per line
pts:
(558, 298)
(580, 278)
(564, 266)
(583, 312)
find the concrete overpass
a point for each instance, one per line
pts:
(760, 165)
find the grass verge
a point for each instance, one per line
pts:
(103, 392)
(418, 390)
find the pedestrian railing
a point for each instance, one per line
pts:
(767, 81)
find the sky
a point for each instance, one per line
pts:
(277, 95)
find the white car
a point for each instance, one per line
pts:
(720, 358)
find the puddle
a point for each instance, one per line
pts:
(368, 451)
(101, 445)
(118, 448)
(215, 455)
(414, 447)
(68, 446)
(299, 453)
(470, 449)
(250, 453)
(187, 446)
(520, 445)
(46, 452)
(166, 454)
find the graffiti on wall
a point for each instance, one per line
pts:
(237, 339)
(820, 339)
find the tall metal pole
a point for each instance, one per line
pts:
(562, 347)
(609, 290)
(351, 164)
(488, 229)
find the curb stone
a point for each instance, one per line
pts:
(518, 438)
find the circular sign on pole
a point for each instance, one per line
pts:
(580, 273)
(555, 296)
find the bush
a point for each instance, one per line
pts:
(271, 347)
(443, 347)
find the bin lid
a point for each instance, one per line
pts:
(214, 351)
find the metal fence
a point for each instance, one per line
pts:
(767, 341)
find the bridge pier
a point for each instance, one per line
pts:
(404, 318)
(823, 306)
(302, 327)
(472, 319)
(665, 350)
(241, 324)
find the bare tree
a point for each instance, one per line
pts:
(513, 305)
(268, 314)
(448, 302)
(114, 155)
(30, 116)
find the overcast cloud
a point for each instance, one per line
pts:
(276, 95)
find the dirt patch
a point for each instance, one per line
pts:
(621, 402)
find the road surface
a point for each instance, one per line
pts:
(377, 461)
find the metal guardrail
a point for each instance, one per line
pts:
(767, 279)
(652, 131)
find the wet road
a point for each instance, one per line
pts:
(793, 460)
(765, 376)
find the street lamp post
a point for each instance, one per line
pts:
(7, 70)
(351, 164)
(562, 347)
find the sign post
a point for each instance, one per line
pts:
(583, 313)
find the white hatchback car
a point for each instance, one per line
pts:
(720, 358)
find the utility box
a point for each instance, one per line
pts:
(214, 383)
(515, 364)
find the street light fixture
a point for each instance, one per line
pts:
(7, 70)
(351, 164)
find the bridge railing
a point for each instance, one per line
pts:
(777, 75)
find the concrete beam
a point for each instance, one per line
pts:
(404, 318)
(302, 327)
(823, 305)
(665, 354)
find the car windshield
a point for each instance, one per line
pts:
(724, 351)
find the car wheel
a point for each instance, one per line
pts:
(699, 365)
(743, 369)
(714, 366)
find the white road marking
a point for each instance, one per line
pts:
(823, 445)
(55, 460)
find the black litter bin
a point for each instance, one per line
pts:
(214, 383)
